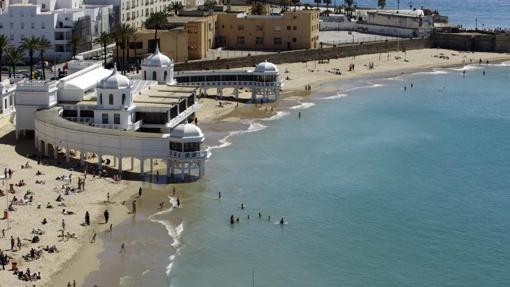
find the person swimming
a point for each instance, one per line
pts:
(232, 219)
(282, 221)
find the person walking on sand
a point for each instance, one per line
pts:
(63, 225)
(87, 218)
(106, 215)
(13, 242)
(108, 197)
(134, 206)
(93, 240)
(140, 192)
(111, 228)
(123, 248)
(178, 202)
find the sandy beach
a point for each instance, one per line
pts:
(77, 257)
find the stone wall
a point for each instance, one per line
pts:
(473, 42)
(306, 55)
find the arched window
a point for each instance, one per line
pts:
(154, 76)
(123, 99)
(110, 99)
(164, 76)
(145, 75)
(100, 99)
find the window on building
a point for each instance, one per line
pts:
(259, 41)
(260, 28)
(240, 40)
(165, 75)
(116, 119)
(105, 118)
(110, 99)
(277, 41)
(294, 40)
(288, 28)
(154, 76)
(100, 99)
(123, 99)
(145, 75)
(277, 28)
(32, 25)
(43, 6)
(240, 27)
(294, 27)
(43, 26)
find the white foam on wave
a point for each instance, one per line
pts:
(434, 72)
(174, 232)
(302, 106)
(373, 86)
(277, 116)
(335, 97)
(253, 126)
(468, 68)
(503, 64)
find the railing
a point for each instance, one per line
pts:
(130, 127)
(81, 120)
(184, 115)
(188, 155)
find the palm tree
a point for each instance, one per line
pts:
(117, 37)
(75, 42)
(4, 44)
(31, 45)
(134, 38)
(127, 32)
(317, 2)
(381, 3)
(104, 39)
(175, 7)
(14, 56)
(155, 21)
(349, 4)
(257, 9)
(44, 45)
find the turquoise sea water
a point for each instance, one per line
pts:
(490, 13)
(380, 187)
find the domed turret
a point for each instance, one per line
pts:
(158, 67)
(115, 81)
(158, 59)
(187, 133)
(266, 67)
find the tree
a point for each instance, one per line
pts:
(75, 42)
(174, 7)
(43, 45)
(257, 9)
(155, 21)
(307, 6)
(104, 39)
(127, 31)
(349, 4)
(381, 3)
(117, 37)
(4, 44)
(328, 2)
(30, 45)
(318, 2)
(14, 56)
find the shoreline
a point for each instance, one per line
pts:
(86, 259)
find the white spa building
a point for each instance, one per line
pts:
(96, 113)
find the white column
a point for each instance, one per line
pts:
(114, 161)
(120, 163)
(67, 155)
(100, 160)
(141, 165)
(132, 163)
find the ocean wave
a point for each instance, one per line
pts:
(366, 87)
(302, 106)
(253, 126)
(335, 97)
(434, 72)
(468, 68)
(173, 231)
(279, 115)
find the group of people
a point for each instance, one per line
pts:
(234, 219)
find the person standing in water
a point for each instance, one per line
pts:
(282, 221)
(299, 115)
(219, 195)
(232, 219)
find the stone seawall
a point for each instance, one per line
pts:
(306, 55)
(476, 42)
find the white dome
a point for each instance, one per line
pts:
(114, 81)
(186, 131)
(266, 67)
(157, 59)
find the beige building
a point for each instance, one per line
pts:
(173, 43)
(201, 31)
(290, 31)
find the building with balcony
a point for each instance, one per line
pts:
(56, 20)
